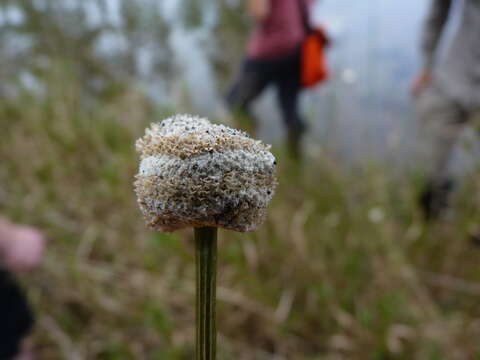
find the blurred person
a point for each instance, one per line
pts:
(447, 90)
(274, 58)
(21, 249)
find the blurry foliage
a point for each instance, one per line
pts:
(231, 31)
(192, 12)
(102, 52)
(105, 46)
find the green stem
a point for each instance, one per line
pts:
(206, 264)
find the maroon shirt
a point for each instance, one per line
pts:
(280, 33)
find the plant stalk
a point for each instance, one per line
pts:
(206, 275)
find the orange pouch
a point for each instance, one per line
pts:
(313, 64)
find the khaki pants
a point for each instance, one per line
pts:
(442, 121)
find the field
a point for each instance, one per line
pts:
(344, 267)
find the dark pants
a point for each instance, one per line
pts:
(258, 74)
(16, 319)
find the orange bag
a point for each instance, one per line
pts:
(313, 63)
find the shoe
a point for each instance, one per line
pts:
(434, 199)
(475, 239)
(295, 136)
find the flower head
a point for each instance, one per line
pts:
(194, 173)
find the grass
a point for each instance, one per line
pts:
(344, 267)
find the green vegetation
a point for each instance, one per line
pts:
(343, 267)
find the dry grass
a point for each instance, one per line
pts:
(344, 268)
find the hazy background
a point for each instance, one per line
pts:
(174, 53)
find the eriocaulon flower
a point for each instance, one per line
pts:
(197, 174)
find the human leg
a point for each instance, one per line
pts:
(253, 79)
(288, 93)
(442, 120)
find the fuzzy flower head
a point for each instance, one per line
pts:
(194, 173)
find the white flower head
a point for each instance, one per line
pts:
(194, 173)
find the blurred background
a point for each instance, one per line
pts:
(344, 267)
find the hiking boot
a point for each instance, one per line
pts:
(475, 239)
(434, 199)
(474, 235)
(295, 136)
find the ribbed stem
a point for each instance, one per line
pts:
(206, 269)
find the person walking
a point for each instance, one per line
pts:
(447, 90)
(273, 58)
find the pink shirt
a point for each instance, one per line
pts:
(280, 33)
